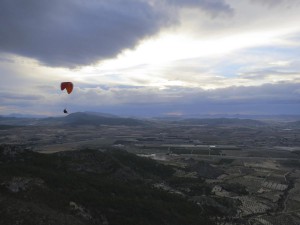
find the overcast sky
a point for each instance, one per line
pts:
(150, 57)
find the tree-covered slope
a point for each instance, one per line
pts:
(88, 187)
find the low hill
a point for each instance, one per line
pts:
(14, 121)
(74, 119)
(102, 114)
(89, 187)
(81, 118)
(204, 169)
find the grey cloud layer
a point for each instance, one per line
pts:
(212, 6)
(6, 96)
(281, 97)
(75, 32)
(272, 3)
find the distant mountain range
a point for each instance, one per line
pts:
(285, 118)
(102, 114)
(222, 121)
(277, 117)
(19, 115)
(97, 118)
(79, 118)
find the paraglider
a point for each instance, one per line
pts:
(69, 88)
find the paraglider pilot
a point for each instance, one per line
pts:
(69, 87)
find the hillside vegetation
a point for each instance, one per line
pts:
(88, 187)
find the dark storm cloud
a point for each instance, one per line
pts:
(69, 33)
(72, 32)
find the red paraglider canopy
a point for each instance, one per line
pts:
(68, 86)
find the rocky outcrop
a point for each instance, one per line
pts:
(18, 184)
